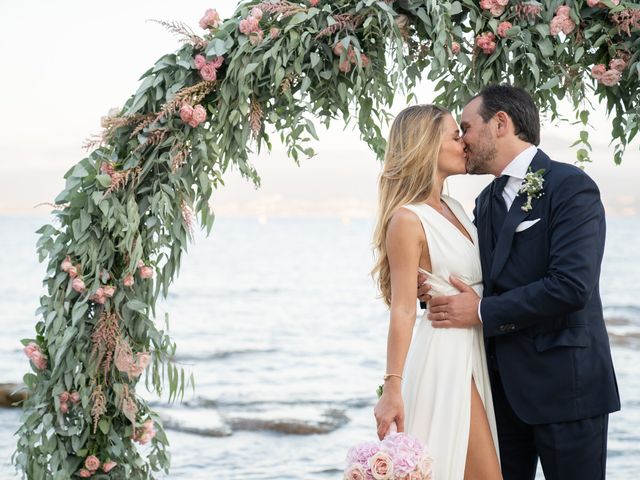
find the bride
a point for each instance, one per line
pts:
(437, 386)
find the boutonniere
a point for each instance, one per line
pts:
(532, 186)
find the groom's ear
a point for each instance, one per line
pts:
(504, 125)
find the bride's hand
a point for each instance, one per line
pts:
(389, 409)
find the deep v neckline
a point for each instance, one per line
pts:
(468, 238)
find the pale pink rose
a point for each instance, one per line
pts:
(563, 11)
(618, 64)
(381, 466)
(64, 397)
(568, 25)
(108, 466)
(502, 3)
(146, 272)
(486, 42)
(345, 66)
(610, 78)
(256, 12)
(66, 264)
(143, 359)
(365, 60)
(593, 3)
(109, 291)
(92, 462)
(355, 472)
(78, 285)
(74, 397)
(199, 114)
(256, 37)
(209, 73)
(30, 348)
(503, 28)
(425, 466)
(497, 10)
(217, 62)
(486, 4)
(199, 61)
(84, 473)
(186, 112)
(274, 33)
(351, 55)
(211, 19)
(338, 48)
(72, 271)
(64, 407)
(248, 25)
(455, 48)
(128, 280)
(98, 293)
(39, 360)
(555, 27)
(314, 3)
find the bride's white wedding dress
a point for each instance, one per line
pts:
(441, 363)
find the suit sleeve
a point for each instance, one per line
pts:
(576, 244)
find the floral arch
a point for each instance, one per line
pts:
(127, 211)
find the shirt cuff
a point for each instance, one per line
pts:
(480, 311)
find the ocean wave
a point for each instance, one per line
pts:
(263, 404)
(220, 355)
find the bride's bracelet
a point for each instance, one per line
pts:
(386, 376)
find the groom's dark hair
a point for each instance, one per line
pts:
(515, 102)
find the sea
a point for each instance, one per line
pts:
(279, 321)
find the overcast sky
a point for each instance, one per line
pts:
(66, 63)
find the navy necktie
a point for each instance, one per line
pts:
(498, 206)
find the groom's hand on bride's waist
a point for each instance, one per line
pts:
(455, 311)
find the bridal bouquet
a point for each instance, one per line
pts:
(398, 457)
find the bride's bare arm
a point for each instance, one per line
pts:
(405, 243)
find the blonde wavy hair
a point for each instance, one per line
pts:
(408, 175)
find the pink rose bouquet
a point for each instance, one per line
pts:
(397, 457)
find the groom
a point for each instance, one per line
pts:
(548, 352)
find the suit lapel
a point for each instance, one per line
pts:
(515, 215)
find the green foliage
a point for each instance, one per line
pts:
(132, 198)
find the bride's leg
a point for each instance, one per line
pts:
(482, 459)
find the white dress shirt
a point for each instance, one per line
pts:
(516, 169)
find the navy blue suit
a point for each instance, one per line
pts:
(547, 346)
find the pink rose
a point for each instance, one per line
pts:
(425, 466)
(128, 280)
(211, 19)
(568, 25)
(248, 25)
(497, 10)
(338, 48)
(143, 359)
(256, 37)
(217, 63)
(345, 66)
(618, 64)
(486, 4)
(92, 462)
(78, 285)
(199, 114)
(66, 264)
(108, 466)
(455, 48)
(209, 73)
(314, 3)
(146, 272)
(64, 397)
(109, 291)
(610, 78)
(30, 349)
(555, 27)
(75, 397)
(107, 168)
(381, 466)
(563, 11)
(593, 3)
(274, 33)
(72, 271)
(199, 61)
(502, 3)
(486, 42)
(256, 13)
(64, 407)
(186, 113)
(98, 295)
(365, 60)
(39, 360)
(503, 28)
(140, 264)
(84, 473)
(355, 472)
